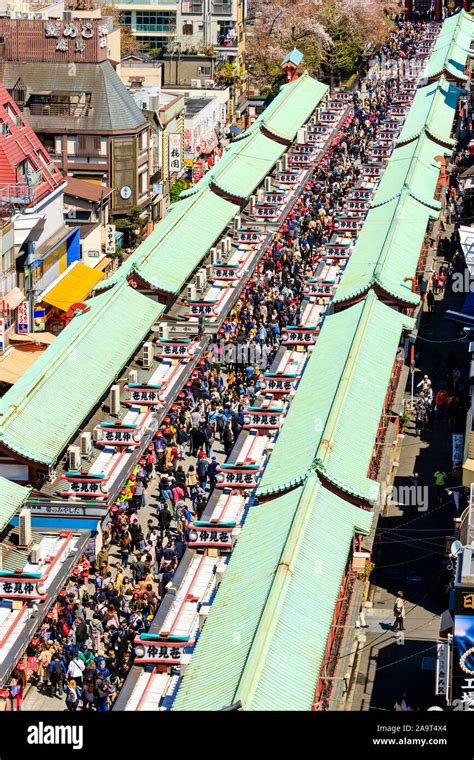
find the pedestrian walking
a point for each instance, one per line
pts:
(399, 612)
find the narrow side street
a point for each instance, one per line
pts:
(409, 549)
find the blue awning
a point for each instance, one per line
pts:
(234, 130)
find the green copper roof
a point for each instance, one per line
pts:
(251, 156)
(185, 243)
(432, 110)
(293, 106)
(178, 243)
(460, 23)
(344, 383)
(265, 637)
(43, 410)
(245, 169)
(450, 58)
(12, 499)
(176, 211)
(387, 250)
(389, 245)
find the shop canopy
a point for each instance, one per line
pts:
(344, 384)
(12, 499)
(75, 285)
(278, 595)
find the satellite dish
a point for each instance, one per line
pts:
(456, 547)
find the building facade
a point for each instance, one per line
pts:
(58, 75)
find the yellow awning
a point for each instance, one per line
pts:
(73, 287)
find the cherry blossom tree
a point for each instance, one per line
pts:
(330, 33)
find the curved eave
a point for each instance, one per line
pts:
(15, 449)
(369, 496)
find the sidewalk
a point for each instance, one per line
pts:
(409, 547)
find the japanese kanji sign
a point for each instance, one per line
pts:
(175, 153)
(219, 538)
(159, 651)
(14, 588)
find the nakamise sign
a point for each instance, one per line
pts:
(159, 652)
(210, 537)
(16, 588)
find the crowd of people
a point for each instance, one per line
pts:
(84, 648)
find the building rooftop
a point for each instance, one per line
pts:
(105, 104)
(194, 105)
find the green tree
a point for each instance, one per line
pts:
(177, 188)
(130, 225)
(128, 43)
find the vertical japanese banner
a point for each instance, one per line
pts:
(23, 318)
(175, 153)
(110, 238)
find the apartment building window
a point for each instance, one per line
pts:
(143, 182)
(71, 146)
(155, 21)
(204, 71)
(126, 18)
(5, 129)
(152, 43)
(188, 28)
(143, 141)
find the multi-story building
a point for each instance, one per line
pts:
(152, 22)
(194, 24)
(36, 244)
(58, 75)
(166, 114)
(216, 24)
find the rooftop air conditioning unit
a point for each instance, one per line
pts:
(96, 434)
(191, 292)
(220, 570)
(286, 162)
(210, 84)
(300, 136)
(73, 458)
(237, 222)
(227, 244)
(35, 555)
(195, 83)
(164, 330)
(260, 195)
(268, 184)
(86, 443)
(279, 166)
(133, 376)
(147, 356)
(252, 201)
(201, 280)
(215, 256)
(24, 522)
(114, 399)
